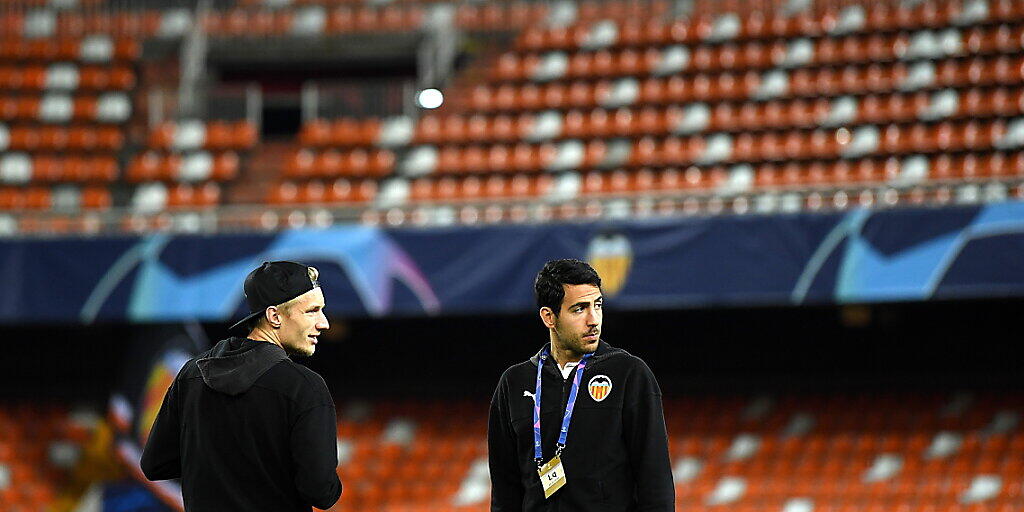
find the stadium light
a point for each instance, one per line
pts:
(429, 98)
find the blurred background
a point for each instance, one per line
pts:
(807, 215)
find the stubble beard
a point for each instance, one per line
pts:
(574, 343)
(300, 350)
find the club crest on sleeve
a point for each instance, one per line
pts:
(600, 387)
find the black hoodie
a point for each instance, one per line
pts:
(245, 428)
(616, 453)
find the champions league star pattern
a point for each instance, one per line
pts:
(859, 255)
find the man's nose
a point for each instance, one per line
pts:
(323, 324)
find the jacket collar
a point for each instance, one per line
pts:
(603, 349)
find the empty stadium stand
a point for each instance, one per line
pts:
(38, 447)
(834, 102)
(589, 109)
(64, 102)
(910, 452)
(186, 162)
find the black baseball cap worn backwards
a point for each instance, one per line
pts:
(274, 283)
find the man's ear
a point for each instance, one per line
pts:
(547, 315)
(273, 316)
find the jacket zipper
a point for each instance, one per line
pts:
(557, 504)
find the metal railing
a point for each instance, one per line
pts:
(357, 98)
(550, 208)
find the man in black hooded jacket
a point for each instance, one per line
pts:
(601, 449)
(243, 426)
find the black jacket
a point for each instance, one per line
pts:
(245, 428)
(616, 454)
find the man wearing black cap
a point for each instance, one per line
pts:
(243, 426)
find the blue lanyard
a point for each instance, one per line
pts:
(569, 406)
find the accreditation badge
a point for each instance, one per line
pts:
(552, 476)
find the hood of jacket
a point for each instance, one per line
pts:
(233, 365)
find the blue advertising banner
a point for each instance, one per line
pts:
(854, 256)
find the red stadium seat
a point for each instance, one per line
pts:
(219, 136)
(284, 193)
(47, 169)
(11, 199)
(101, 169)
(37, 198)
(225, 167)
(96, 198)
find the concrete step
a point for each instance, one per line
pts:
(260, 171)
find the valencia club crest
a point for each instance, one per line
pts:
(600, 387)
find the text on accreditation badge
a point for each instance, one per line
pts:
(552, 476)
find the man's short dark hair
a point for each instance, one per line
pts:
(548, 289)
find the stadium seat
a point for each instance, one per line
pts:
(828, 464)
(627, 96)
(728, 86)
(96, 198)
